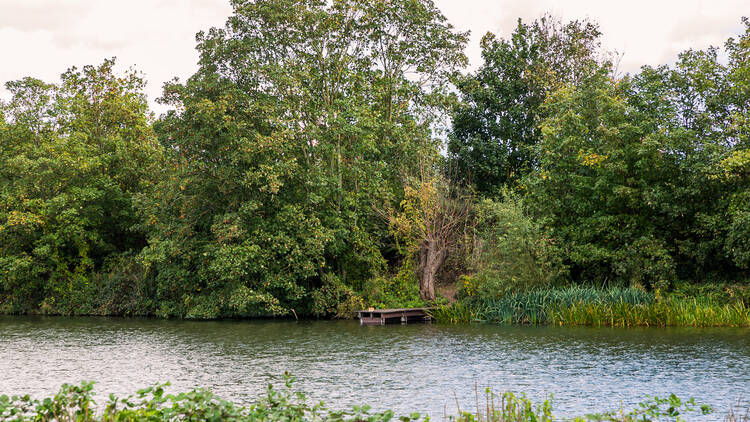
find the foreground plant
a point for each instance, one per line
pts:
(508, 407)
(76, 403)
(671, 408)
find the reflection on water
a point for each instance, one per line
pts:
(406, 368)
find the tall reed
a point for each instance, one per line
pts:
(533, 307)
(669, 312)
(617, 307)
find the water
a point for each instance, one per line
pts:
(406, 368)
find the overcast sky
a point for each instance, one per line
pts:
(42, 38)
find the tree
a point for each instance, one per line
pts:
(72, 158)
(641, 178)
(599, 168)
(496, 128)
(431, 222)
(304, 117)
(735, 168)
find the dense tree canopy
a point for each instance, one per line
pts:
(497, 127)
(634, 172)
(72, 158)
(299, 171)
(304, 118)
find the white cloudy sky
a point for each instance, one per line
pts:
(42, 38)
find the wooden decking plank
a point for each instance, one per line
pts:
(403, 315)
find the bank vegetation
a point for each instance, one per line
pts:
(330, 156)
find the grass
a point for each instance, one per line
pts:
(617, 307)
(456, 313)
(736, 414)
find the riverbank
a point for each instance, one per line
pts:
(573, 306)
(616, 307)
(76, 403)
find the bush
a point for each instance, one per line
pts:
(645, 262)
(717, 292)
(335, 299)
(738, 239)
(513, 251)
(399, 291)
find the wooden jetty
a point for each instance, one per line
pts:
(393, 316)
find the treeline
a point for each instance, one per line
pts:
(326, 157)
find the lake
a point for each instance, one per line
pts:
(417, 367)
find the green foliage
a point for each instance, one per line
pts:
(71, 403)
(263, 192)
(73, 158)
(534, 307)
(509, 407)
(300, 123)
(514, 252)
(735, 168)
(496, 128)
(654, 408)
(593, 151)
(335, 299)
(637, 180)
(399, 291)
(721, 293)
(635, 174)
(153, 404)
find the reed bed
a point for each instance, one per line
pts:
(536, 306)
(616, 307)
(459, 312)
(670, 312)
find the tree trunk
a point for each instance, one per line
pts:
(431, 258)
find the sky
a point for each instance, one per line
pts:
(43, 38)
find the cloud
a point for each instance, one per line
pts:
(40, 15)
(42, 38)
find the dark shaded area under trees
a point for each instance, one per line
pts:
(300, 171)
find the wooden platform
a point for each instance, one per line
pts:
(393, 316)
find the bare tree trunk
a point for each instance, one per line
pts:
(431, 258)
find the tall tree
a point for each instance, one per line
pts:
(72, 158)
(304, 117)
(641, 178)
(736, 166)
(498, 125)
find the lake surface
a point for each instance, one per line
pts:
(406, 368)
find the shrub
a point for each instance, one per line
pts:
(513, 252)
(335, 299)
(399, 291)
